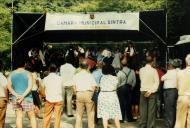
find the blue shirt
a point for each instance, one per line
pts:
(20, 84)
(97, 75)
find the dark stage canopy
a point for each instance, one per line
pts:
(29, 31)
(149, 20)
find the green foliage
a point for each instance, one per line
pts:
(130, 5)
(5, 34)
(5, 28)
(175, 14)
(87, 5)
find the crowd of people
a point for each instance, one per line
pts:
(126, 92)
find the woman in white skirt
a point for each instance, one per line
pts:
(108, 103)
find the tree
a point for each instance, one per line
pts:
(5, 35)
(5, 28)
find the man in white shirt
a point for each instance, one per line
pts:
(170, 95)
(53, 88)
(3, 98)
(67, 72)
(84, 85)
(183, 102)
(149, 85)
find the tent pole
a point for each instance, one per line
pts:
(28, 29)
(32, 36)
(153, 32)
(166, 6)
(12, 12)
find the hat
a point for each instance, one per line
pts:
(106, 53)
(84, 64)
(177, 63)
(174, 62)
(171, 61)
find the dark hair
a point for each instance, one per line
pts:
(149, 59)
(69, 59)
(28, 66)
(45, 73)
(108, 60)
(83, 64)
(20, 63)
(52, 68)
(108, 70)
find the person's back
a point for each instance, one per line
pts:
(183, 102)
(3, 83)
(53, 87)
(148, 80)
(84, 84)
(20, 85)
(127, 81)
(19, 79)
(67, 72)
(184, 82)
(83, 81)
(149, 85)
(3, 99)
(170, 94)
(108, 103)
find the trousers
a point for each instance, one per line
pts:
(68, 92)
(147, 111)
(183, 112)
(170, 102)
(55, 107)
(124, 95)
(3, 108)
(83, 101)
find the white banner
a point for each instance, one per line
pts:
(96, 21)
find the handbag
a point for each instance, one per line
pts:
(96, 93)
(95, 96)
(36, 99)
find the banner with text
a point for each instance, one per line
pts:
(94, 21)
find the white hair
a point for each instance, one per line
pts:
(187, 59)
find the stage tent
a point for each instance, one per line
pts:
(33, 29)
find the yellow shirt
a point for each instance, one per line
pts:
(183, 82)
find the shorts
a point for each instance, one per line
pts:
(24, 106)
